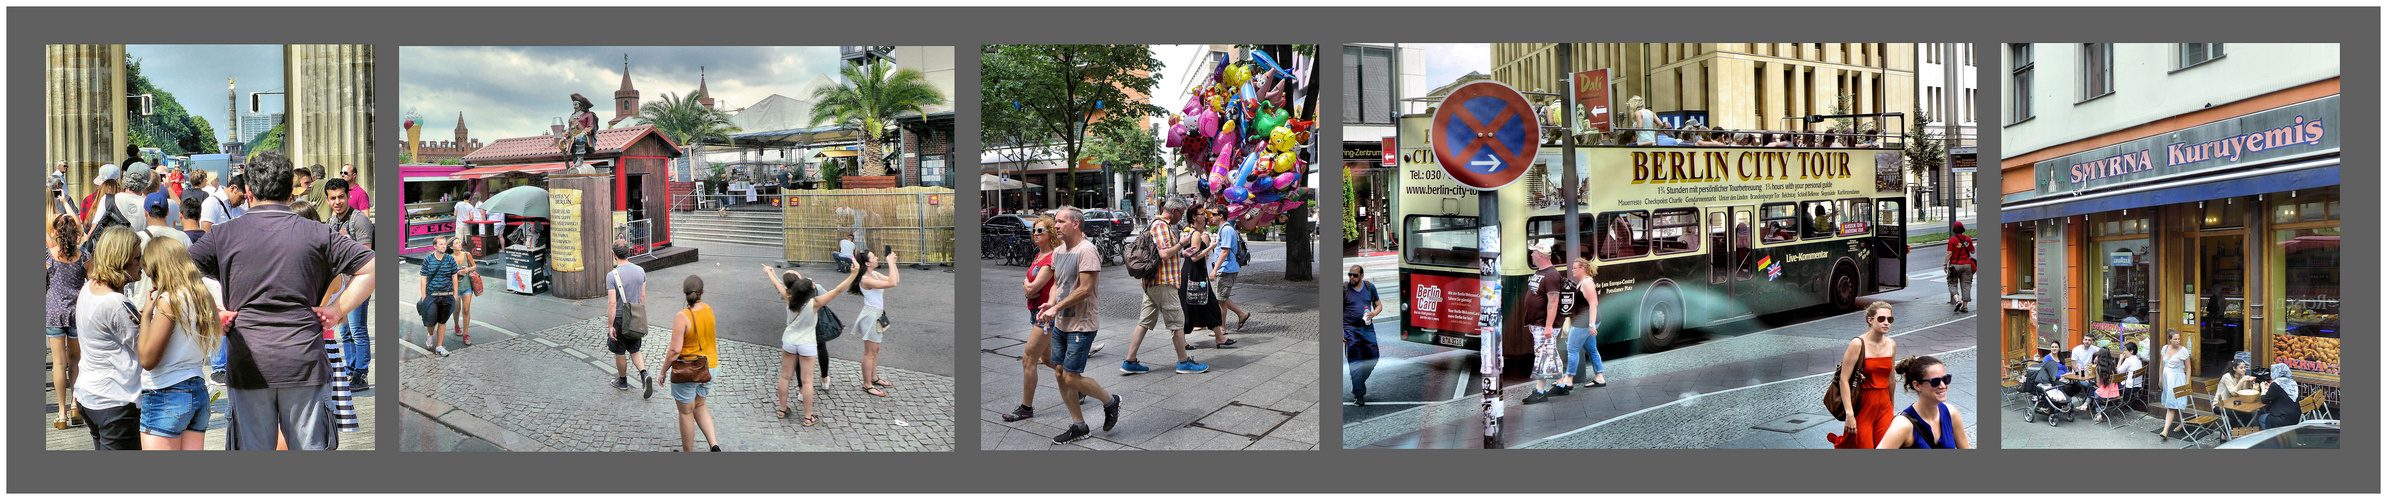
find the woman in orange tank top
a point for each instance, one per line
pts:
(1874, 405)
(692, 333)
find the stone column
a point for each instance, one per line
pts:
(331, 108)
(83, 111)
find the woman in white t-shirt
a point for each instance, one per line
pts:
(177, 332)
(108, 381)
(798, 347)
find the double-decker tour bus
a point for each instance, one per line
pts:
(1683, 237)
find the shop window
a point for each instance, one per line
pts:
(2121, 224)
(1781, 223)
(2222, 213)
(2306, 274)
(2123, 283)
(2310, 205)
(2026, 278)
(1441, 241)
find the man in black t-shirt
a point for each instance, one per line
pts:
(1551, 295)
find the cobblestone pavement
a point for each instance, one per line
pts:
(2137, 431)
(548, 391)
(1685, 376)
(1261, 394)
(79, 438)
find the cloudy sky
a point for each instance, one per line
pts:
(195, 75)
(518, 91)
(1449, 61)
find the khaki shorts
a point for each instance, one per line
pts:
(1224, 286)
(1161, 306)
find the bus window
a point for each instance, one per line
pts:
(1740, 241)
(1719, 254)
(1553, 228)
(1441, 241)
(1624, 235)
(1675, 230)
(1781, 223)
(1856, 216)
(1822, 219)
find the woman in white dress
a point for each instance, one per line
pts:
(2175, 374)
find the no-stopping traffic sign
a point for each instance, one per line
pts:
(1485, 135)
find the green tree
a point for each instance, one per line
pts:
(1055, 96)
(869, 100)
(1924, 152)
(169, 128)
(1124, 148)
(687, 122)
(270, 140)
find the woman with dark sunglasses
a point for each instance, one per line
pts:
(1871, 409)
(1928, 424)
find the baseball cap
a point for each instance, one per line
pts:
(107, 173)
(158, 204)
(137, 177)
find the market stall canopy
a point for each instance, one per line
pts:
(525, 201)
(780, 121)
(537, 148)
(1185, 184)
(497, 170)
(989, 182)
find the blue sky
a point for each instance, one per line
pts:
(195, 75)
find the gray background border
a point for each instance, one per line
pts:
(2353, 469)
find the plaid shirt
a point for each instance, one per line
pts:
(1171, 273)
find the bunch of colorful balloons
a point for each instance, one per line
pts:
(1239, 128)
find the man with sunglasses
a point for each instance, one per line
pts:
(1360, 305)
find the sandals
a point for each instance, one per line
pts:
(1227, 343)
(874, 391)
(783, 413)
(881, 383)
(811, 420)
(1239, 319)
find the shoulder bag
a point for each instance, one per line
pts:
(629, 318)
(1833, 391)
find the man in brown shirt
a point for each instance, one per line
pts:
(1078, 266)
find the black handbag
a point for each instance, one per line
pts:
(828, 326)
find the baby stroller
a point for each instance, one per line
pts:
(2045, 389)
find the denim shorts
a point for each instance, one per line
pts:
(687, 393)
(1070, 350)
(58, 332)
(175, 409)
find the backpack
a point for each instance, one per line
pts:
(828, 327)
(108, 216)
(1143, 257)
(1243, 253)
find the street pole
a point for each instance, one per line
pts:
(1487, 319)
(1569, 192)
(1948, 138)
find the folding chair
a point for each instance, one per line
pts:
(2200, 422)
(2312, 407)
(2111, 408)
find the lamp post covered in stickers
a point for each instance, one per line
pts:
(1484, 135)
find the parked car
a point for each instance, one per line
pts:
(1005, 222)
(2309, 434)
(1101, 221)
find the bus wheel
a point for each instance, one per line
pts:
(1661, 319)
(1844, 287)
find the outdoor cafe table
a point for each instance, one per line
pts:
(2249, 404)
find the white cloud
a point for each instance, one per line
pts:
(518, 91)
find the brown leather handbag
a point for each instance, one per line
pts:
(691, 369)
(1832, 392)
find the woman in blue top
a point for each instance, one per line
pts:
(439, 292)
(1929, 423)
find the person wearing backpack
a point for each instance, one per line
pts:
(1160, 305)
(799, 343)
(625, 292)
(1232, 256)
(1960, 268)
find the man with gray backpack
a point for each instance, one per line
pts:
(625, 312)
(1232, 256)
(1154, 259)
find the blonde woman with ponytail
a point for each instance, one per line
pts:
(177, 332)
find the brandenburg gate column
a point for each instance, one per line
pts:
(83, 110)
(331, 106)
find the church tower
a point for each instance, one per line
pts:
(707, 101)
(625, 101)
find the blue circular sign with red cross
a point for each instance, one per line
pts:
(1485, 134)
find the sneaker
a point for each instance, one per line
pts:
(1131, 367)
(1023, 412)
(219, 378)
(1097, 348)
(439, 350)
(647, 381)
(355, 385)
(1189, 366)
(1537, 398)
(1359, 400)
(1110, 414)
(1562, 390)
(621, 383)
(1076, 431)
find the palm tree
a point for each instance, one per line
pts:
(869, 100)
(686, 121)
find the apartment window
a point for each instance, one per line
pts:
(2192, 54)
(1367, 84)
(2096, 70)
(2021, 86)
(1968, 105)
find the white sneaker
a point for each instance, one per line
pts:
(1097, 348)
(439, 350)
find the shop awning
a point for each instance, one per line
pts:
(2300, 175)
(496, 170)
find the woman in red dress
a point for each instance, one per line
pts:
(1872, 408)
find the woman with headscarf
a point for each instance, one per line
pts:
(2280, 394)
